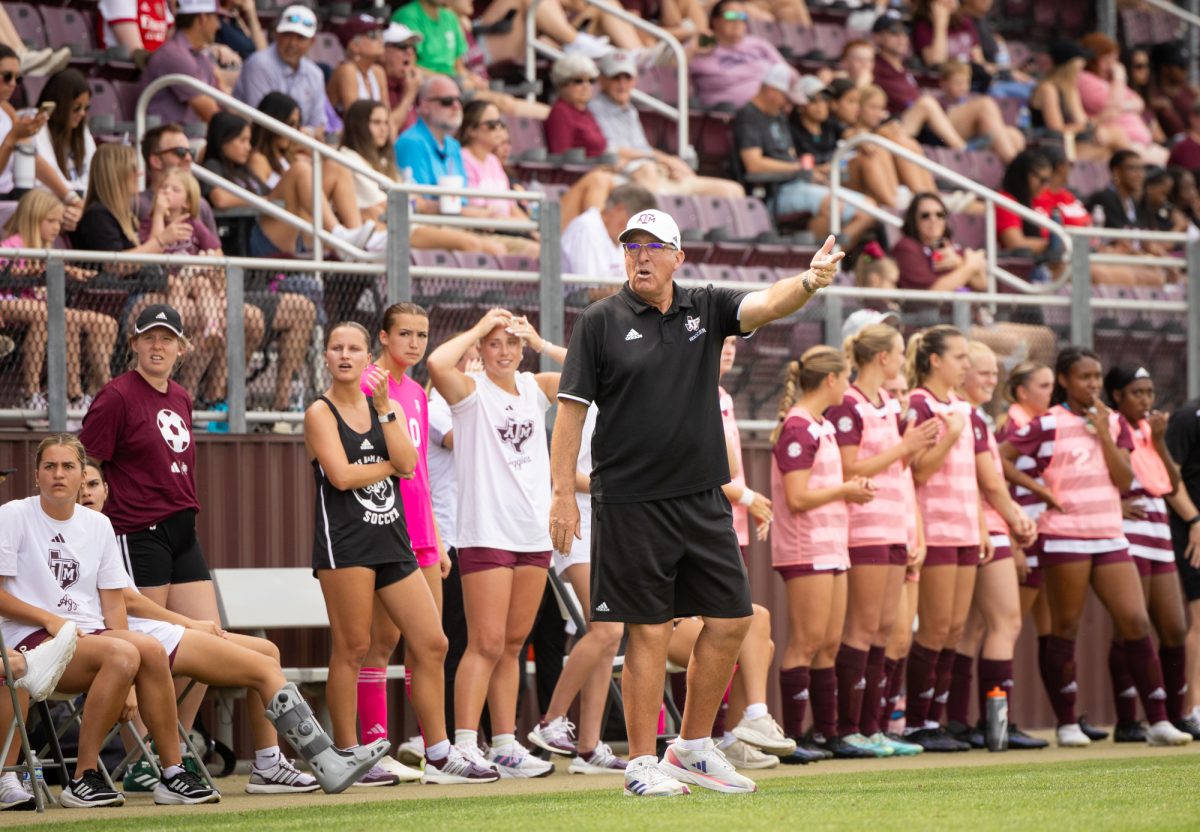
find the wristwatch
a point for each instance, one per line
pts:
(1193, 521)
(390, 416)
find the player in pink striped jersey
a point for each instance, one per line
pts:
(1156, 482)
(809, 544)
(1085, 464)
(868, 432)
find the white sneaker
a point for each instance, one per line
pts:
(13, 795)
(281, 778)
(412, 751)
(357, 237)
(46, 663)
(646, 777)
(600, 761)
(1164, 733)
(590, 45)
(515, 761)
(743, 755)
(707, 768)
(459, 767)
(556, 736)
(1072, 736)
(393, 766)
(766, 734)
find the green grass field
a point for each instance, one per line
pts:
(1157, 793)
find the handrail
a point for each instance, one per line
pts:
(1171, 8)
(1126, 233)
(990, 197)
(679, 112)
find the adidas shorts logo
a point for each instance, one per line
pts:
(603, 607)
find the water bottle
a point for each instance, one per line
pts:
(25, 779)
(997, 720)
(24, 165)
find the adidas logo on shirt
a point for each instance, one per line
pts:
(633, 335)
(366, 445)
(58, 538)
(603, 606)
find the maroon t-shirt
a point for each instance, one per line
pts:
(1186, 154)
(899, 84)
(915, 262)
(567, 127)
(960, 39)
(144, 439)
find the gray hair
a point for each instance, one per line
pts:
(426, 90)
(633, 198)
(572, 66)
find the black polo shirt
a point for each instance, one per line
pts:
(653, 377)
(1183, 441)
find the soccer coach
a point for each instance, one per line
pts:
(663, 544)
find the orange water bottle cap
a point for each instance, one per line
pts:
(998, 693)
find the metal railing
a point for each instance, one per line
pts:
(678, 113)
(990, 198)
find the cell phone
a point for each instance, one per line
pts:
(47, 108)
(707, 41)
(7, 472)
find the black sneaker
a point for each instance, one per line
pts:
(1018, 740)
(89, 791)
(184, 788)
(1092, 733)
(936, 740)
(1129, 732)
(803, 756)
(965, 733)
(842, 750)
(811, 747)
(1188, 725)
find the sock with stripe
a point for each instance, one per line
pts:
(1125, 695)
(793, 695)
(372, 704)
(850, 667)
(868, 720)
(941, 684)
(1059, 676)
(962, 673)
(824, 701)
(1174, 670)
(919, 684)
(1147, 675)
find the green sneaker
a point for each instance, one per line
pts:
(901, 748)
(140, 777)
(191, 764)
(861, 742)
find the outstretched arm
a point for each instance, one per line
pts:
(786, 296)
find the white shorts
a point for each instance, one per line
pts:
(168, 635)
(581, 550)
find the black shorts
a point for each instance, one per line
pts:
(166, 553)
(663, 559)
(1189, 575)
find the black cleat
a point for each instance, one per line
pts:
(1020, 741)
(808, 745)
(936, 740)
(1129, 732)
(802, 756)
(965, 733)
(1188, 725)
(1092, 733)
(842, 750)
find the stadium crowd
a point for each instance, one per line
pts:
(1078, 483)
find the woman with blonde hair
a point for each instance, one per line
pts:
(809, 542)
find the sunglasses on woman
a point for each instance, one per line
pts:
(492, 124)
(10, 77)
(742, 16)
(932, 215)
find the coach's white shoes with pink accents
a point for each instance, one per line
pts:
(1164, 733)
(647, 777)
(706, 768)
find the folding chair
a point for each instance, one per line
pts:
(41, 792)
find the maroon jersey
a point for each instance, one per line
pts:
(144, 439)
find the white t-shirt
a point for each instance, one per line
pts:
(58, 566)
(588, 250)
(503, 466)
(583, 464)
(443, 480)
(76, 176)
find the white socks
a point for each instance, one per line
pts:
(756, 711)
(691, 745)
(503, 740)
(466, 739)
(266, 758)
(438, 750)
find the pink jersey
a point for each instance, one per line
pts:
(1149, 537)
(874, 430)
(1071, 462)
(418, 505)
(1030, 503)
(949, 499)
(995, 523)
(818, 537)
(733, 439)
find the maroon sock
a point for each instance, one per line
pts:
(868, 720)
(1147, 675)
(1125, 695)
(1043, 669)
(994, 673)
(1059, 676)
(895, 684)
(1174, 670)
(793, 690)
(919, 683)
(941, 684)
(958, 705)
(851, 669)
(824, 701)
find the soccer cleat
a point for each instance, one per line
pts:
(1072, 736)
(812, 747)
(1189, 725)
(899, 747)
(184, 789)
(140, 777)
(90, 791)
(1018, 740)
(935, 740)
(965, 733)
(600, 761)
(744, 755)
(335, 769)
(802, 756)
(556, 736)
(1092, 733)
(1164, 733)
(412, 751)
(864, 744)
(46, 663)
(1129, 732)
(645, 777)
(514, 761)
(13, 797)
(397, 769)
(377, 776)
(281, 778)
(764, 733)
(839, 749)
(706, 768)
(458, 769)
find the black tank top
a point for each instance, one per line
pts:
(365, 526)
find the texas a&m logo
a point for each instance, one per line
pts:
(514, 433)
(65, 568)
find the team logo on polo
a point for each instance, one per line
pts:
(174, 430)
(65, 568)
(691, 323)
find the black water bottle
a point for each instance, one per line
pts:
(997, 720)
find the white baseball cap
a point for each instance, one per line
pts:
(863, 318)
(397, 34)
(299, 20)
(656, 223)
(196, 7)
(783, 78)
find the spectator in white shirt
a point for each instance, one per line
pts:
(589, 242)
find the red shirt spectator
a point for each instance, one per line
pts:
(152, 17)
(1186, 154)
(1070, 210)
(568, 127)
(915, 262)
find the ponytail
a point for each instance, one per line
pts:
(788, 398)
(807, 373)
(862, 347)
(1019, 376)
(921, 347)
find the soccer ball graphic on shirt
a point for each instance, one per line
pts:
(174, 431)
(378, 498)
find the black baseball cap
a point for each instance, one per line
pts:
(1062, 51)
(1172, 53)
(159, 314)
(889, 22)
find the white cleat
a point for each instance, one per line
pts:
(600, 761)
(397, 769)
(1072, 736)
(764, 733)
(706, 768)
(646, 777)
(743, 755)
(1164, 733)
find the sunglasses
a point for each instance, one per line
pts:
(931, 215)
(177, 152)
(742, 16)
(408, 46)
(492, 124)
(633, 249)
(302, 19)
(10, 77)
(447, 100)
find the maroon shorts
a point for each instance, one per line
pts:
(480, 558)
(895, 554)
(34, 639)
(1033, 578)
(1045, 559)
(1147, 567)
(806, 570)
(952, 556)
(1002, 546)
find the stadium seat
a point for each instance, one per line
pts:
(829, 38)
(327, 50)
(712, 272)
(70, 27)
(970, 230)
(28, 23)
